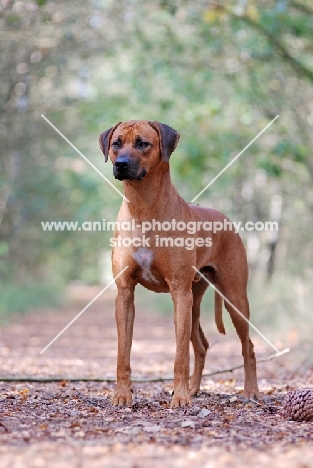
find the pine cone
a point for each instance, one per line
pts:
(298, 404)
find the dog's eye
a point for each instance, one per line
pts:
(143, 144)
(116, 145)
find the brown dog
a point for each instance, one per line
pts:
(140, 152)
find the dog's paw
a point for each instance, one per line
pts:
(194, 386)
(122, 398)
(181, 399)
(251, 393)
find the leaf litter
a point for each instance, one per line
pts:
(74, 423)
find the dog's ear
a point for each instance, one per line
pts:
(168, 139)
(104, 140)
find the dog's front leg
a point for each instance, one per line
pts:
(124, 315)
(182, 318)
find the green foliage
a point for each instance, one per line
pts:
(19, 298)
(218, 73)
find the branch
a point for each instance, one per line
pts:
(304, 8)
(296, 65)
(110, 379)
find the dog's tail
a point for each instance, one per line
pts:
(218, 313)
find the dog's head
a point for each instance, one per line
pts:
(137, 147)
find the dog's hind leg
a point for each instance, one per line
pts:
(235, 291)
(199, 341)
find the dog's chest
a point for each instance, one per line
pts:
(149, 277)
(144, 258)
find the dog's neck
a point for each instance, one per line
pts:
(155, 193)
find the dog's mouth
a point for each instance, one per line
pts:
(128, 175)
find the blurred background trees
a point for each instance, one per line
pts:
(216, 71)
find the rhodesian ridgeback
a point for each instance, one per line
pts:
(140, 151)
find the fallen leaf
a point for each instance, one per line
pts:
(151, 428)
(187, 424)
(203, 413)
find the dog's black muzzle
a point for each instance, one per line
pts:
(125, 169)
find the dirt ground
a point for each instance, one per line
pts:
(73, 424)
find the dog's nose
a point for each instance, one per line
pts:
(122, 163)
